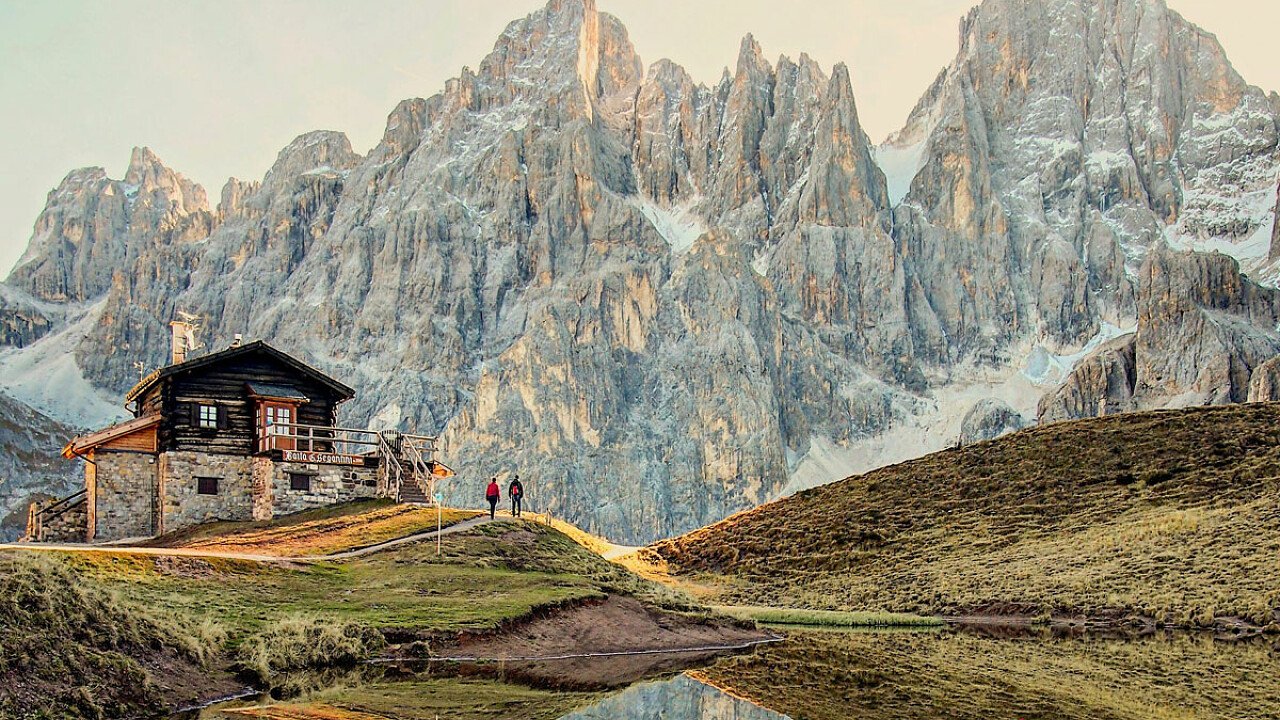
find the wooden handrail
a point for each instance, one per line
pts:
(349, 437)
(69, 501)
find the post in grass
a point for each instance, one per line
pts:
(439, 521)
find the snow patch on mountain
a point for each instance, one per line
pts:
(679, 225)
(1233, 220)
(1042, 367)
(900, 165)
(45, 376)
(932, 423)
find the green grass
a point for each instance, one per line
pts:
(306, 642)
(267, 618)
(828, 618)
(1173, 515)
(485, 577)
(69, 648)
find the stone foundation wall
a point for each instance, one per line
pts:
(71, 526)
(123, 493)
(126, 486)
(263, 476)
(183, 506)
(330, 484)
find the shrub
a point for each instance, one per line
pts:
(306, 641)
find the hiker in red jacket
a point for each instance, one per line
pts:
(493, 494)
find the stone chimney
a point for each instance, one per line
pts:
(183, 336)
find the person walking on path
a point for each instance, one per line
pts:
(493, 494)
(516, 492)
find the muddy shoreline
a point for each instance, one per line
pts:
(581, 645)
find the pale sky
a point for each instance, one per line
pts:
(216, 89)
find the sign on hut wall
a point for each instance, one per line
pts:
(322, 458)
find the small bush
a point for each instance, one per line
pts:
(306, 641)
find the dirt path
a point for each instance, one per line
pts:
(602, 643)
(275, 559)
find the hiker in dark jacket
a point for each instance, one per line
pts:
(493, 494)
(516, 492)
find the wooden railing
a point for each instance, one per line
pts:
(421, 475)
(38, 516)
(404, 457)
(346, 441)
(318, 438)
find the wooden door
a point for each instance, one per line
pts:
(274, 420)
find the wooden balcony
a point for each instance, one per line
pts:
(294, 442)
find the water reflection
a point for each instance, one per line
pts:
(828, 676)
(976, 676)
(682, 698)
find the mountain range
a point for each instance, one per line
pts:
(662, 301)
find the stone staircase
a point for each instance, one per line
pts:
(59, 521)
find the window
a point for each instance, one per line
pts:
(278, 415)
(207, 486)
(300, 481)
(208, 418)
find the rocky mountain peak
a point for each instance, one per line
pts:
(92, 226)
(155, 184)
(143, 163)
(751, 61)
(234, 194)
(568, 50)
(317, 152)
(568, 268)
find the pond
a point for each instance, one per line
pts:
(820, 675)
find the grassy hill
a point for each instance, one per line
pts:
(123, 633)
(1171, 515)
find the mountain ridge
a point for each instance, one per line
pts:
(664, 301)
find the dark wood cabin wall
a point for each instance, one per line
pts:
(224, 385)
(151, 402)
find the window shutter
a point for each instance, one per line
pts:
(193, 414)
(223, 421)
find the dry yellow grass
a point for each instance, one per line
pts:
(1173, 515)
(322, 532)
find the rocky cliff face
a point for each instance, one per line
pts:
(1065, 141)
(1275, 229)
(660, 301)
(988, 420)
(1264, 383)
(30, 467)
(93, 227)
(1203, 330)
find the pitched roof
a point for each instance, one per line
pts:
(343, 391)
(84, 442)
